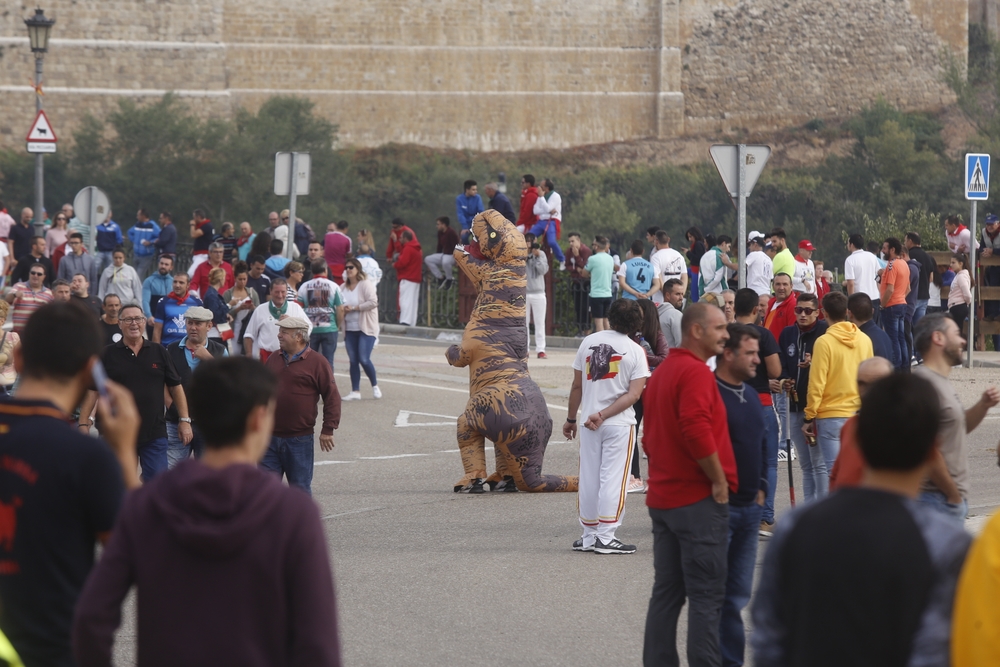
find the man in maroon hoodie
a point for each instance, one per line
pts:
(529, 195)
(231, 565)
(408, 270)
(692, 469)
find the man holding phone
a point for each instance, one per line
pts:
(145, 369)
(60, 489)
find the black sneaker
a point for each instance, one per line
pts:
(615, 546)
(448, 283)
(578, 546)
(440, 283)
(509, 486)
(475, 486)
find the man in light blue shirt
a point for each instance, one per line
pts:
(155, 287)
(636, 276)
(143, 235)
(600, 269)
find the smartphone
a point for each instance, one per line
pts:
(100, 377)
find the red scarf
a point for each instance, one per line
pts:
(242, 240)
(178, 299)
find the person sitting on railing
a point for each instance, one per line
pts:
(441, 264)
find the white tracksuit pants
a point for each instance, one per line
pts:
(605, 462)
(409, 300)
(440, 265)
(535, 309)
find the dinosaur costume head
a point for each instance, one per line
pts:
(499, 239)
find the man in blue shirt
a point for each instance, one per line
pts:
(154, 288)
(143, 235)
(109, 237)
(467, 207)
(166, 242)
(274, 267)
(169, 323)
(860, 310)
(499, 201)
(737, 364)
(636, 276)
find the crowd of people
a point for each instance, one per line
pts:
(851, 380)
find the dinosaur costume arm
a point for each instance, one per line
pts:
(458, 356)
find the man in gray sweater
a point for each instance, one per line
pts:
(537, 266)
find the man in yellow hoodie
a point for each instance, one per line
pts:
(833, 390)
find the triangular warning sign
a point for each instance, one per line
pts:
(41, 130)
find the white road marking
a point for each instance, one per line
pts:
(330, 463)
(434, 386)
(364, 509)
(403, 419)
(394, 456)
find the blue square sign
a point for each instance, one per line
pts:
(977, 176)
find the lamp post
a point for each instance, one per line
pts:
(39, 28)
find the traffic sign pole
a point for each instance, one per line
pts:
(972, 287)
(741, 214)
(292, 195)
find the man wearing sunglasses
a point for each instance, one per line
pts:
(796, 344)
(29, 297)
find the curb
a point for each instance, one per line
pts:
(431, 333)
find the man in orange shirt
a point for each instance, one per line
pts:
(895, 285)
(850, 465)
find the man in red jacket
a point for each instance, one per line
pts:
(529, 195)
(692, 470)
(396, 242)
(408, 270)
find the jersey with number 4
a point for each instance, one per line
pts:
(638, 274)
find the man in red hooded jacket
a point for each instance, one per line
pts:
(529, 195)
(408, 270)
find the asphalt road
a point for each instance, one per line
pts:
(424, 574)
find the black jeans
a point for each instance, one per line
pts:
(581, 303)
(637, 406)
(690, 546)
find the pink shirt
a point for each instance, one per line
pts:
(336, 246)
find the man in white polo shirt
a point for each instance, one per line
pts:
(860, 270)
(759, 267)
(261, 337)
(667, 264)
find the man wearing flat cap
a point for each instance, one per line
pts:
(304, 376)
(186, 354)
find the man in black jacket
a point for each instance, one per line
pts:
(796, 345)
(499, 201)
(186, 354)
(928, 269)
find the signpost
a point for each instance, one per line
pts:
(740, 167)
(41, 139)
(91, 206)
(977, 188)
(291, 168)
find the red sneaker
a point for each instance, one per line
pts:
(542, 355)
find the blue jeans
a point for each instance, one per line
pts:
(921, 310)
(815, 474)
(292, 457)
(359, 350)
(548, 229)
(771, 423)
(328, 341)
(693, 281)
(744, 522)
(828, 440)
(177, 451)
(103, 260)
(152, 457)
(781, 408)
(892, 322)
(937, 500)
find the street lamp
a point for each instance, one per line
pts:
(39, 28)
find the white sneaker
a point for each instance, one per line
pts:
(377, 392)
(353, 396)
(562, 266)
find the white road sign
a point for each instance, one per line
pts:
(726, 158)
(283, 174)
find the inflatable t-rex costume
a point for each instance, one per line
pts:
(505, 405)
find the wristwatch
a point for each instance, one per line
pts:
(186, 420)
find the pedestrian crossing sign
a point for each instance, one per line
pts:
(977, 176)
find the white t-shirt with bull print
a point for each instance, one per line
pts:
(608, 361)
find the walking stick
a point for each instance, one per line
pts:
(788, 454)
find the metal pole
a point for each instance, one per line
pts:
(293, 190)
(92, 207)
(970, 343)
(742, 213)
(39, 160)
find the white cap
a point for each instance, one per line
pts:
(752, 236)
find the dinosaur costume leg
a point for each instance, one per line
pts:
(523, 448)
(472, 447)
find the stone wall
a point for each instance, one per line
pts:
(764, 64)
(492, 74)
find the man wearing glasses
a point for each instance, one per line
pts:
(216, 253)
(29, 297)
(145, 369)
